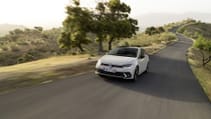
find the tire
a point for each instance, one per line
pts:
(102, 76)
(135, 74)
(147, 68)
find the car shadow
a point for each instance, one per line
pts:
(167, 78)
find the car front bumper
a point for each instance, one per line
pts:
(118, 74)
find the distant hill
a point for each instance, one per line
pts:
(5, 28)
(160, 19)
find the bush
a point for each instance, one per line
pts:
(204, 46)
(167, 37)
(14, 48)
(5, 48)
(25, 58)
(181, 30)
(153, 30)
(125, 43)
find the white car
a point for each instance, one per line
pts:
(123, 62)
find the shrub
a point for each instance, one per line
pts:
(181, 30)
(14, 48)
(153, 30)
(204, 45)
(25, 58)
(5, 48)
(125, 43)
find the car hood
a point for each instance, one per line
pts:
(117, 60)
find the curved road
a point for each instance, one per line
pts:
(168, 91)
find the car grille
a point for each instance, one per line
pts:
(117, 66)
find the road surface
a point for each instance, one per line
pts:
(168, 91)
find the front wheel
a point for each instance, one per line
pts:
(136, 74)
(147, 68)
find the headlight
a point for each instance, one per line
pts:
(98, 63)
(127, 65)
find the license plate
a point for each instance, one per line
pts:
(108, 69)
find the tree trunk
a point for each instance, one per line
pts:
(206, 61)
(110, 43)
(203, 58)
(100, 46)
(80, 47)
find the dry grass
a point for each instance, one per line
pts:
(153, 43)
(43, 64)
(42, 71)
(203, 74)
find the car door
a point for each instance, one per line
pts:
(142, 60)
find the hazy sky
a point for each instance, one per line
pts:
(52, 12)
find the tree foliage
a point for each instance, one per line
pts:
(109, 21)
(153, 30)
(75, 27)
(118, 23)
(204, 46)
(38, 28)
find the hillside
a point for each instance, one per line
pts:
(193, 29)
(27, 45)
(174, 26)
(159, 19)
(5, 28)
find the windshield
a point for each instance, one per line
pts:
(126, 52)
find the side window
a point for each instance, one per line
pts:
(142, 55)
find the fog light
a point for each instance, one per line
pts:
(125, 75)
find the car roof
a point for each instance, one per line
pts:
(130, 47)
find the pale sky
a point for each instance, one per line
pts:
(50, 13)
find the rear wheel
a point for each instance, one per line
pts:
(136, 74)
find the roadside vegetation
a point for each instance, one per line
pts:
(199, 56)
(151, 43)
(202, 73)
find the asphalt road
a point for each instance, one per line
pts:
(168, 91)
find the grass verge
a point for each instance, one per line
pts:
(43, 71)
(203, 74)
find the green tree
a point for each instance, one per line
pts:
(121, 25)
(17, 31)
(151, 30)
(114, 21)
(75, 27)
(38, 28)
(99, 25)
(161, 29)
(204, 47)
